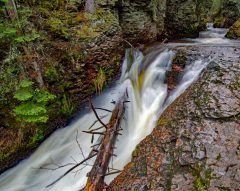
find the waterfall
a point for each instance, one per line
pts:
(144, 80)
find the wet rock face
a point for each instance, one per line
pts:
(144, 21)
(234, 31)
(230, 11)
(196, 144)
(185, 17)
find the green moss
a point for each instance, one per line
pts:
(136, 151)
(171, 168)
(86, 32)
(219, 21)
(203, 177)
(219, 157)
(53, 72)
(164, 121)
(216, 8)
(58, 27)
(92, 25)
(37, 137)
(234, 31)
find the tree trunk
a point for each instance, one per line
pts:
(90, 6)
(11, 9)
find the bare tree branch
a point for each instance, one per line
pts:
(97, 121)
(67, 172)
(94, 111)
(80, 148)
(103, 109)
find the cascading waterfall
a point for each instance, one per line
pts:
(213, 35)
(143, 77)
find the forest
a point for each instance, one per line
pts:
(119, 95)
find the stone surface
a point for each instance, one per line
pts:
(234, 31)
(196, 144)
(146, 20)
(228, 13)
(185, 17)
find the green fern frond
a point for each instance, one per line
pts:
(25, 83)
(23, 95)
(43, 96)
(29, 109)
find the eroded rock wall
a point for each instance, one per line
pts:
(185, 18)
(230, 11)
(144, 21)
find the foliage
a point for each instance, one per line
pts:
(37, 137)
(100, 81)
(15, 32)
(58, 27)
(67, 107)
(9, 71)
(86, 32)
(216, 7)
(32, 107)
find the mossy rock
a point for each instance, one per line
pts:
(219, 21)
(234, 31)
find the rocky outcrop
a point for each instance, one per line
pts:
(185, 18)
(228, 13)
(141, 20)
(234, 31)
(146, 20)
(195, 145)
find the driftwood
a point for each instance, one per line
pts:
(96, 176)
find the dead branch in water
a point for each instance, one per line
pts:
(103, 150)
(105, 153)
(67, 172)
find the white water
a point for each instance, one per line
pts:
(144, 79)
(213, 35)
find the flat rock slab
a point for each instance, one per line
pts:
(196, 144)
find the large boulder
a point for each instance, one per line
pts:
(234, 31)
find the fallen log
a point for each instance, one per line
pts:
(96, 176)
(103, 150)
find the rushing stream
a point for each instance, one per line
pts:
(144, 79)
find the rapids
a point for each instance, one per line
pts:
(144, 78)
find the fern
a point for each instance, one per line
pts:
(25, 83)
(23, 95)
(32, 107)
(43, 96)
